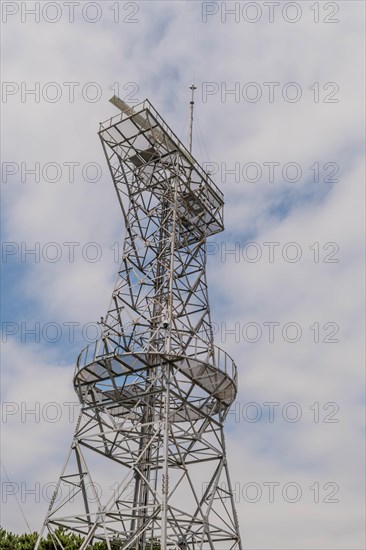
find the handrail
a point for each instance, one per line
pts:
(219, 359)
(146, 105)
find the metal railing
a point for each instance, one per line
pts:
(147, 106)
(197, 349)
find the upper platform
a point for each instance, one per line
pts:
(154, 159)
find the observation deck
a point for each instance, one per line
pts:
(108, 375)
(150, 152)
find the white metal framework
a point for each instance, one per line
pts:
(154, 390)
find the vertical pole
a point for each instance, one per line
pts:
(193, 88)
(165, 470)
(171, 267)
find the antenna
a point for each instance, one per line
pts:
(193, 88)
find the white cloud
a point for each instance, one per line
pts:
(160, 54)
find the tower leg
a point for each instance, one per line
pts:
(175, 462)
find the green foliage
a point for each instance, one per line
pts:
(69, 541)
(9, 541)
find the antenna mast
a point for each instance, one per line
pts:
(193, 88)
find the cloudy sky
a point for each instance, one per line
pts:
(280, 114)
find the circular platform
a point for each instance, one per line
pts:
(108, 375)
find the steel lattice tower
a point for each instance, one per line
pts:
(154, 390)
